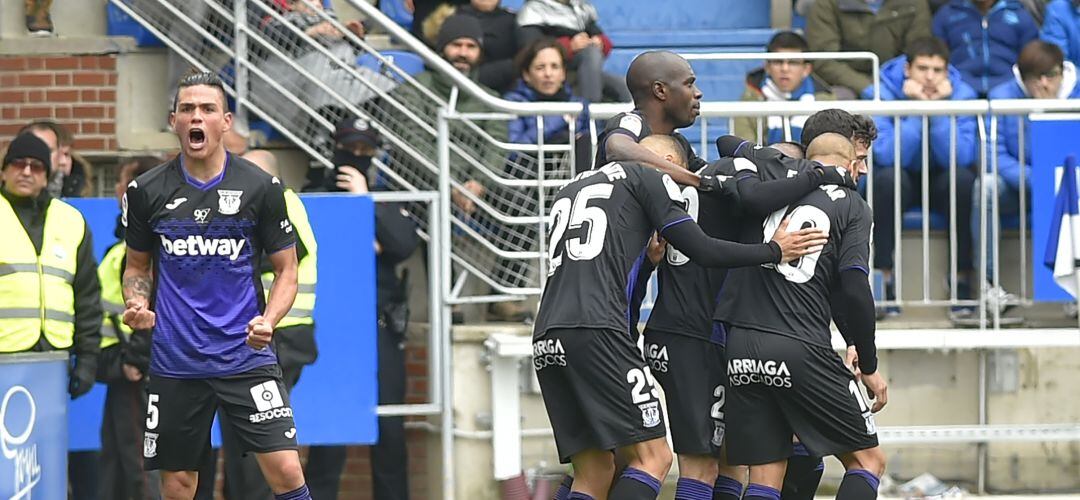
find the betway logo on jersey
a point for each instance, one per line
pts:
(548, 353)
(757, 371)
(197, 245)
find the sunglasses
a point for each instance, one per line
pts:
(36, 166)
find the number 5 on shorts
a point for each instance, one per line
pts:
(152, 411)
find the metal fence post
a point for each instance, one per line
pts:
(444, 270)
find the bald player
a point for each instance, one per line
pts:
(784, 378)
(682, 349)
(666, 98)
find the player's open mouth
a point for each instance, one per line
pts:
(196, 138)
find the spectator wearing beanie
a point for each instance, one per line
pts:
(500, 42)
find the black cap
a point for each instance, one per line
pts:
(459, 26)
(28, 145)
(352, 130)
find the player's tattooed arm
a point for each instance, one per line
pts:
(138, 284)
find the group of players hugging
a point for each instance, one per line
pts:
(757, 254)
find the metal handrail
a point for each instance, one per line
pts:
(783, 56)
(437, 63)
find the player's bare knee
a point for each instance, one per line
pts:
(654, 456)
(700, 467)
(870, 459)
(290, 475)
(179, 484)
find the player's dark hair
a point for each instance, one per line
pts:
(1038, 58)
(524, 58)
(63, 136)
(865, 130)
(827, 120)
(200, 78)
(787, 40)
(927, 47)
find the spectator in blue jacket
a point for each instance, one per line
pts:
(985, 37)
(923, 74)
(1041, 72)
(1062, 27)
(542, 67)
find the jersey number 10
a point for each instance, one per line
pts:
(802, 217)
(573, 214)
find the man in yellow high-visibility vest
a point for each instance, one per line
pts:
(124, 362)
(50, 297)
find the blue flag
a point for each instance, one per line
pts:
(1063, 246)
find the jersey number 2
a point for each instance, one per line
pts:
(802, 217)
(567, 214)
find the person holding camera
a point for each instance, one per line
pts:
(356, 145)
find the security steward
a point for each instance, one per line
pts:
(122, 365)
(356, 144)
(50, 297)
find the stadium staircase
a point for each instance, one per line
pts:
(303, 89)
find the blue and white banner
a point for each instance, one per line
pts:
(33, 426)
(1063, 247)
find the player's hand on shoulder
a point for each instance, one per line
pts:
(877, 389)
(795, 244)
(259, 333)
(138, 315)
(835, 175)
(710, 183)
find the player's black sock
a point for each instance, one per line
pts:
(727, 488)
(635, 484)
(761, 492)
(858, 484)
(802, 477)
(300, 493)
(563, 493)
(692, 489)
(577, 495)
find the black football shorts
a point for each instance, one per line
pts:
(778, 387)
(692, 373)
(180, 413)
(595, 389)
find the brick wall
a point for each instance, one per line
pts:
(356, 480)
(78, 92)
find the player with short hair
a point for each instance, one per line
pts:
(666, 98)
(197, 227)
(591, 374)
(784, 378)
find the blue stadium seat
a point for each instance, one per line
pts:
(682, 15)
(396, 11)
(121, 24)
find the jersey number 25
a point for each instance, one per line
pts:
(573, 214)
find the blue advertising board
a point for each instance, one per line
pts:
(1053, 137)
(341, 385)
(33, 434)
